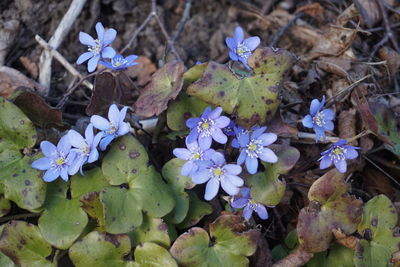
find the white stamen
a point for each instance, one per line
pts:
(243, 51)
(96, 48)
(254, 148)
(319, 119)
(205, 127)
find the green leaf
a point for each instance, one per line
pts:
(183, 108)
(193, 74)
(171, 171)
(266, 187)
(5, 206)
(127, 160)
(101, 250)
(330, 208)
(94, 208)
(378, 222)
(337, 255)
(9, 156)
(229, 249)
(92, 181)
(63, 220)
(121, 209)
(166, 83)
(23, 184)
(153, 255)
(197, 210)
(253, 99)
(23, 243)
(16, 130)
(6, 261)
(151, 230)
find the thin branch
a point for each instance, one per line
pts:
(137, 31)
(62, 60)
(62, 30)
(312, 136)
(278, 35)
(182, 22)
(382, 170)
(386, 22)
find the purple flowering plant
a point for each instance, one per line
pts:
(118, 62)
(97, 48)
(320, 120)
(240, 49)
(246, 202)
(337, 154)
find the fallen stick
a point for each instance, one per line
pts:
(62, 30)
(63, 61)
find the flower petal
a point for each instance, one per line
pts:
(229, 187)
(215, 114)
(268, 155)
(262, 212)
(109, 36)
(308, 122)
(341, 165)
(86, 39)
(123, 129)
(219, 136)
(351, 153)
(247, 212)
(212, 188)
(242, 157)
(130, 59)
(329, 126)
(328, 114)
(233, 169)
(222, 122)
(205, 141)
(314, 107)
(182, 153)
(234, 180)
(201, 176)
(113, 114)
(187, 168)
(108, 52)
(239, 203)
(233, 56)
(252, 42)
(106, 141)
(92, 64)
(230, 43)
(97, 139)
(319, 134)
(267, 138)
(100, 123)
(100, 31)
(122, 115)
(238, 35)
(251, 165)
(244, 139)
(258, 132)
(192, 122)
(89, 133)
(82, 58)
(42, 164)
(208, 154)
(64, 145)
(218, 158)
(245, 192)
(192, 137)
(64, 174)
(93, 156)
(48, 149)
(76, 139)
(51, 175)
(326, 162)
(76, 165)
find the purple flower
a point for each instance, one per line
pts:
(216, 171)
(249, 205)
(253, 146)
(193, 153)
(57, 161)
(229, 130)
(239, 130)
(113, 127)
(338, 153)
(118, 62)
(85, 148)
(240, 48)
(319, 120)
(207, 127)
(97, 48)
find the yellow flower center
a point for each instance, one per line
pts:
(217, 172)
(337, 151)
(60, 161)
(252, 147)
(205, 125)
(196, 156)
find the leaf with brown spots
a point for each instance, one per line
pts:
(165, 85)
(253, 99)
(330, 208)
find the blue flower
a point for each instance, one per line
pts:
(97, 48)
(249, 205)
(85, 148)
(240, 48)
(207, 127)
(239, 130)
(57, 161)
(113, 127)
(253, 146)
(193, 153)
(118, 62)
(230, 129)
(216, 172)
(338, 153)
(319, 120)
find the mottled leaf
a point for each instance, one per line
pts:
(92, 181)
(165, 85)
(197, 210)
(152, 255)
(253, 99)
(151, 230)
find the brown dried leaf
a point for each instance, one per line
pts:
(392, 58)
(11, 79)
(347, 125)
(143, 71)
(30, 66)
(358, 96)
(165, 85)
(313, 10)
(282, 129)
(369, 11)
(298, 257)
(347, 241)
(336, 65)
(375, 183)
